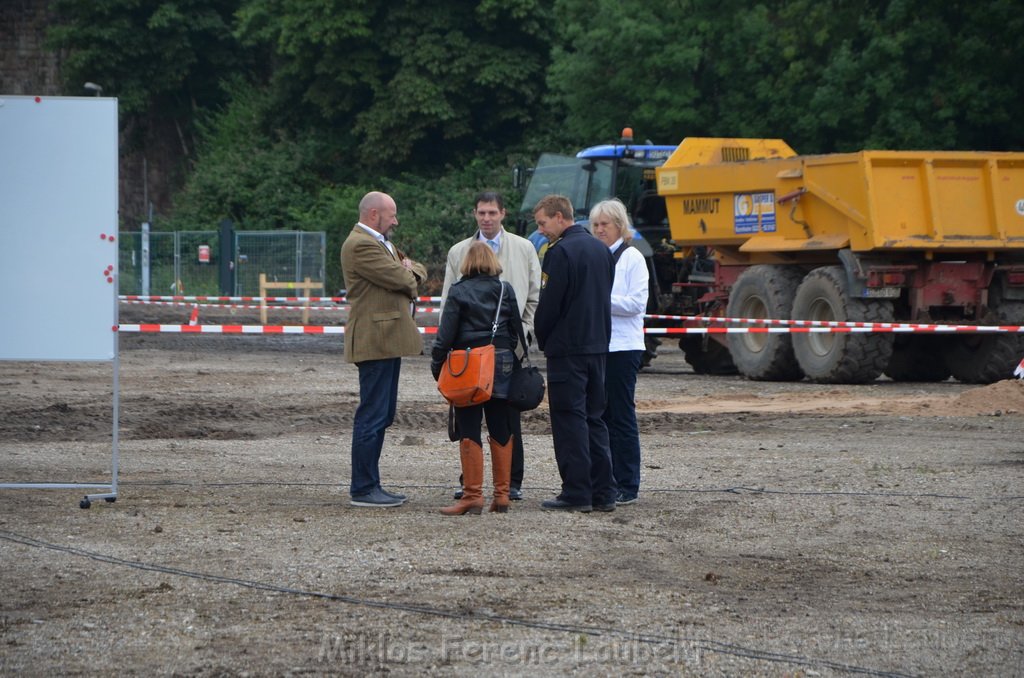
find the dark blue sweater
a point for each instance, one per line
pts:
(574, 315)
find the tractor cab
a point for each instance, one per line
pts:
(624, 170)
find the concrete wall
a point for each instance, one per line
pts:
(25, 66)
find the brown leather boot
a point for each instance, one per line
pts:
(501, 467)
(472, 481)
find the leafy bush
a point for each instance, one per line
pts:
(264, 179)
(245, 172)
(433, 213)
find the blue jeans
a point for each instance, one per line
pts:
(576, 400)
(378, 400)
(620, 416)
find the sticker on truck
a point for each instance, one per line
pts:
(1020, 207)
(754, 212)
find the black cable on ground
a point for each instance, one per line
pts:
(704, 645)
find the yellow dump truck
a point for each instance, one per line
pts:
(877, 236)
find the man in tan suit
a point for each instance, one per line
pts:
(520, 267)
(381, 287)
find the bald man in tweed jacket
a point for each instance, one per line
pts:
(381, 287)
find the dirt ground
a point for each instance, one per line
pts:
(784, 529)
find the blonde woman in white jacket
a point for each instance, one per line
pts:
(610, 224)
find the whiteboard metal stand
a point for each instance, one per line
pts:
(115, 453)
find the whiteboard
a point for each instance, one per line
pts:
(58, 228)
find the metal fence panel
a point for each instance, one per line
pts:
(195, 273)
(129, 262)
(282, 256)
(186, 262)
(164, 270)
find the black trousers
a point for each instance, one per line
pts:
(496, 411)
(576, 397)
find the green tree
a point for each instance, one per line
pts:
(434, 211)
(826, 76)
(258, 177)
(416, 83)
(266, 178)
(927, 75)
(160, 57)
(759, 69)
(626, 63)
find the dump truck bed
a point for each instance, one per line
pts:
(777, 201)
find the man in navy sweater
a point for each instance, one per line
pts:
(573, 327)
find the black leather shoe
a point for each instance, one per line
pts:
(458, 494)
(515, 494)
(605, 508)
(558, 504)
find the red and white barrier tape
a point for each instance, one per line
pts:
(774, 325)
(143, 298)
(242, 329)
(322, 329)
(256, 307)
(858, 329)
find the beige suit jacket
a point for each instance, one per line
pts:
(520, 267)
(379, 290)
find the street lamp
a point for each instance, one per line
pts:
(93, 87)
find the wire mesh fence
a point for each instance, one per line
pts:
(283, 257)
(187, 262)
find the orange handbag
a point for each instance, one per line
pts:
(467, 375)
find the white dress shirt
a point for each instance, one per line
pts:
(629, 300)
(496, 240)
(379, 236)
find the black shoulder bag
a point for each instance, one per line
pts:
(526, 385)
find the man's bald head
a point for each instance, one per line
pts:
(378, 211)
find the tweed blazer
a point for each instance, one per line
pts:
(380, 290)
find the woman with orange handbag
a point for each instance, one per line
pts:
(480, 309)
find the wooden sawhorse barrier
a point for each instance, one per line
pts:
(306, 286)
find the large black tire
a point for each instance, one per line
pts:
(918, 358)
(839, 358)
(707, 357)
(988, 358)
(764, 292)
